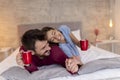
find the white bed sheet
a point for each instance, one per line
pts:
(93, 53)
(10, 61)
(107, 74)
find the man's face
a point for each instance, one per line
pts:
(42, 48)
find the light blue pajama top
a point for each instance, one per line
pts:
(69, 48)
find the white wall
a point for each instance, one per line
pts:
(91, 13)
(117, 19)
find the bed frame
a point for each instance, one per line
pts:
(24, 27)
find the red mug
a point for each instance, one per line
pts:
(84, 45)
(27, 57)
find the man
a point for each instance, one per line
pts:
(43, 54)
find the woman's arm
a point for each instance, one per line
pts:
(75, 40)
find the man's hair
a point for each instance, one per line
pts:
(30, 37)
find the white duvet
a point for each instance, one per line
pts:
(93, 53)
(8, 62)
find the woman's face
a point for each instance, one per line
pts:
(55, 36)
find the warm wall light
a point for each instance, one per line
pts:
(111, 34)
(111, 23)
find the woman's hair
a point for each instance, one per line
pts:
(45, 30)
(30, 37)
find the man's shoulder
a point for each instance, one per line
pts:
(55, 48)
(56, 51)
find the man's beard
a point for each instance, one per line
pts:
(46, 53)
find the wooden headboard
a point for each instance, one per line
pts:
(24, 27)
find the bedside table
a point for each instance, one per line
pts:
(6, 51)
(103, 42)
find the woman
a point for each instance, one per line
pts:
(64, 38)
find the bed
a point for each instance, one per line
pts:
(92, 54)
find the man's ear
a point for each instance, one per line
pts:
(33, 53)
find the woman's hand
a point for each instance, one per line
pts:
(72, 64)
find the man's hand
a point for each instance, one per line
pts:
(89, 45)
(19, 59)
(72, 64)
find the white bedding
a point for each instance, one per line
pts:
(107, 74)
(93, 53)
(9, 61)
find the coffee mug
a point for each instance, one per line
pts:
(27, 57)
(84, 45)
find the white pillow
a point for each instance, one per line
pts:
(77, 34)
